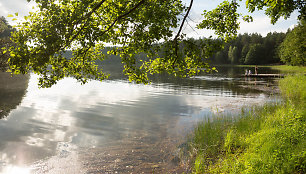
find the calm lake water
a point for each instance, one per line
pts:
(113, 126)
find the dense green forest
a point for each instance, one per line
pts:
(275, 48)
(292, 50)
(251, 49)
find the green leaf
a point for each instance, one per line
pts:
(10, 15)
(16, 14)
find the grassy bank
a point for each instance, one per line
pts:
(290, 69)
(282, 68)
(266, 139)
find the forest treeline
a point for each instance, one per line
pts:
(249, 49)
(274, 48)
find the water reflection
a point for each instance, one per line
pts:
(16, 169)
(12, 90)
(51, 127)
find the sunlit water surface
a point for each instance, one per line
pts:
(111, 126)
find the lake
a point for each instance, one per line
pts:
(114, 126)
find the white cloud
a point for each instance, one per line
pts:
(3, 10)
(262, 25)
(22, 7)
(259, 25)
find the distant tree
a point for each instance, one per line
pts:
(256, 38)
(5, 42)
(220, 58)
(244, 53)
(293, 50)
(238, 43)
(233, 54)
(5, 28)
(271, 43)
(229, 53)
(245, 39)
(255, 52)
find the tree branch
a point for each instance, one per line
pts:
(99, 16)
(184, 19)
(94, 10)
(86, 17)
(123, 15)
(178, 33)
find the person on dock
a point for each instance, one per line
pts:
(250, 72)
(246, 72)
(256, 70)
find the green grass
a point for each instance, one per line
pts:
(266, 139)
(290, 69)
(294, 89)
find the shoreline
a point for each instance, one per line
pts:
(252, 140)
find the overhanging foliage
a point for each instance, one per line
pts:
(142, 26)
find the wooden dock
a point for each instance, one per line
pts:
(266, 75)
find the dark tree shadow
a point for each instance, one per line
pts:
(12, 91)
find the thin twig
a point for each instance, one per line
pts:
(192, 28)
(191, 19)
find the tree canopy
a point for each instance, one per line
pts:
(292, 50)
(278, 8)
(153, 27)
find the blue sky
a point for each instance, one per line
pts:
(260, 25)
